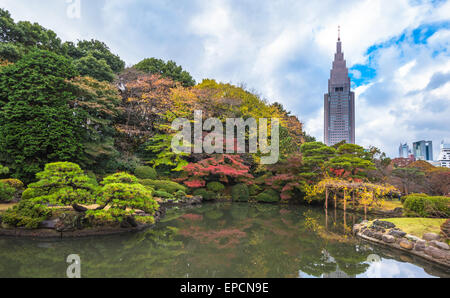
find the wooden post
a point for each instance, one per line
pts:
(326, 198)
(354, 203)
(345, 201)
(335, 201)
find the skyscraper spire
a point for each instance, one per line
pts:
(339, 102)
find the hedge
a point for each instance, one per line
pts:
(215, 187)
(268, 196)
(164, 185)
(207, 195)
(240, 193)
(145, 172)
(427, 206)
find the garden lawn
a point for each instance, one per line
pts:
(418, 226)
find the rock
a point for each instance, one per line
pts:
(397, 233)
(378, 229)
(383, 224)
(445, 229)
(378, 236)
(412, 238)
(420, 245)
(406, 244)
(440, 245)
(49, 224)
(364, 222)
(368, 233)
(125, 224)
(436, 252)
(431, 236)
(132, 221)
(388, 239)
(356, 229)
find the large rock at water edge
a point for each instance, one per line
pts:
(431, 236)
(388, 239)
(440, 245)
(406, 244)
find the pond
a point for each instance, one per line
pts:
(221, 240)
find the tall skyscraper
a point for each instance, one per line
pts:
(444, 155)
(423, 150)
(404, 151)
(339, 103)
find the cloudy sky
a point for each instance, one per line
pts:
(397, 50)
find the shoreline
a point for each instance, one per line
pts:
(429, 250)
(51, 233)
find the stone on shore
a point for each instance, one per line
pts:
(406, 244)
(383, 224)
(388, 239)
(440, 245)
(431, 236)
(397, 233)
(436, 252)
(420, 245)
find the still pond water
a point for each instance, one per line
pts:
(221, 240)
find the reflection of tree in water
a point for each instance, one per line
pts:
(214, 240)
(142, 254)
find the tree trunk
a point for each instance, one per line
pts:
(79, 208)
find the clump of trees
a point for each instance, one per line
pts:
(119, 197)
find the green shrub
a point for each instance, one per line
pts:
(403, 198)
(6, 192)
(145, 172)
(180, 194)
(26, 214)
(163, 195)
(427, 206)
(215, 187)
(62, 184)
(240, 193)
(268, 196)
(120, 178)
(254, 190)
(30, 193)
(164, 185)
(207, 195)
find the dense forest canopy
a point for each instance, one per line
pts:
(76, 102)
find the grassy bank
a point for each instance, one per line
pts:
(418, 226)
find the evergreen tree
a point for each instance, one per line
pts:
(37, 125)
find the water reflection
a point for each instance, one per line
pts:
(220, 240)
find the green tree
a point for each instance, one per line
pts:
(159, 154)
(100, 51)
(98, 104)
(95, 68)
(61, 184)
(124, 196)
(168, 70)
(352, 159)
(315, 155)
(37, 125)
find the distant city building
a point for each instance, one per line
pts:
(444, 155)
(423, 150)
(404, 151)
(339, 103)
